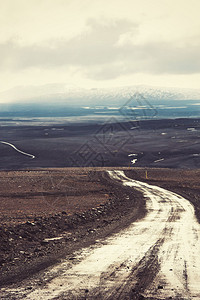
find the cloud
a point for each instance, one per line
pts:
(95, 46)
(106, 50)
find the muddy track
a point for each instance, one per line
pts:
(156, 257)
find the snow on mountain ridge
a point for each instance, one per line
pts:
(65, 92)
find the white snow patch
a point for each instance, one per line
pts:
(191, 129)
(158, 160)
(133, 161)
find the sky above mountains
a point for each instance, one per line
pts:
(94, 43)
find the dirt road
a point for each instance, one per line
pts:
(155, 258)
(15, 148)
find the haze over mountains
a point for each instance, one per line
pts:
(67, 92)
(51, 99)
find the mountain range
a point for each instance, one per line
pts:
(103, 96)
(61, 100)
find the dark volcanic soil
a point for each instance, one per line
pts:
(172, 143)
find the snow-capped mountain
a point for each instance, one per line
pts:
(103, 96)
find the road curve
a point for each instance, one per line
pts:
(157, 257)
(14, 147)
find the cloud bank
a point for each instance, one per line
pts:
(105, 51)
(72, 39)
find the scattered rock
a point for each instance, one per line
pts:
(160, 287)
(44, 242)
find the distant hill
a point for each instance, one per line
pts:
(67, 92)
(66, 100)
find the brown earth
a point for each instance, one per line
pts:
(25, 195)
(79, 205)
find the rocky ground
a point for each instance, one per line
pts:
(48, 214)
(39, 226)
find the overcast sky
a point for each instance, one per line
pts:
(100, 43)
